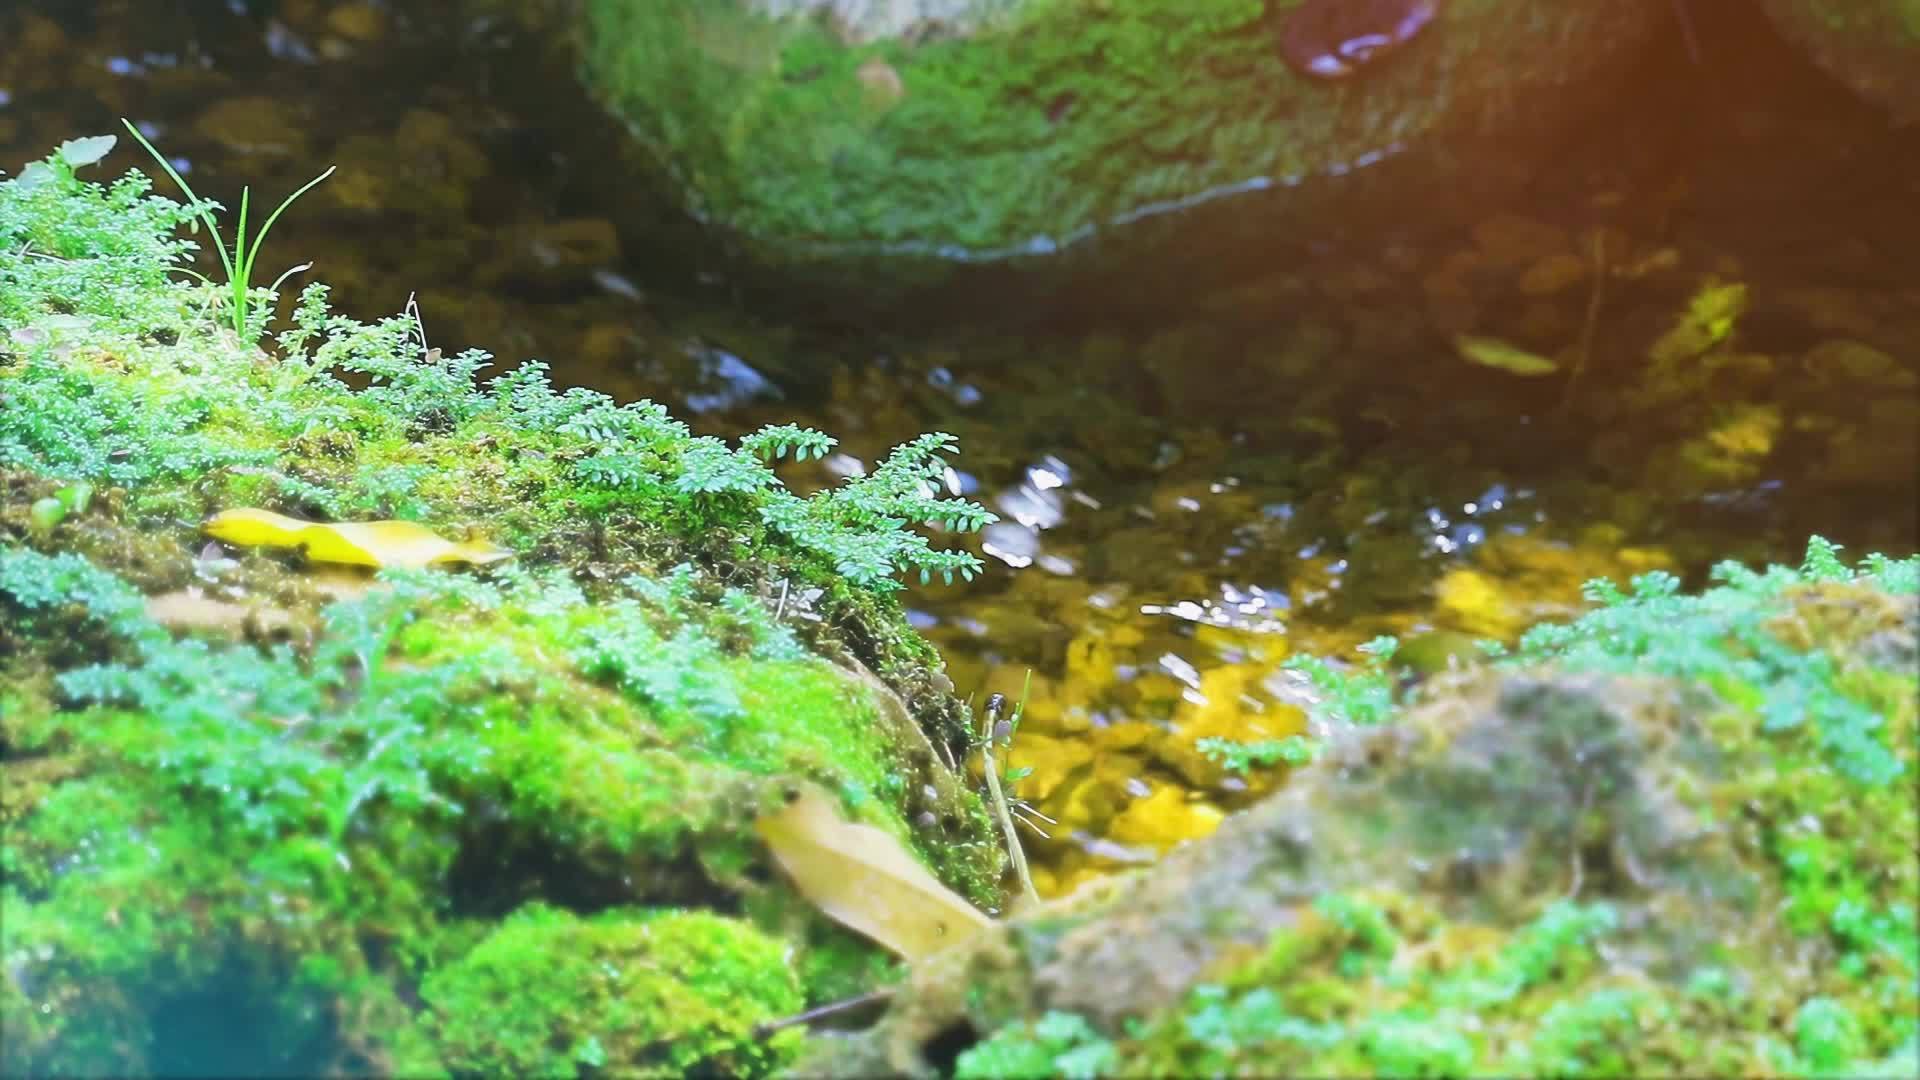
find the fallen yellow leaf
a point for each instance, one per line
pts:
(865, 879)
(1710, 319)
(354, 543)
(1494, 353)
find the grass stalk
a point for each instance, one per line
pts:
(1001, 809)
(239, 263)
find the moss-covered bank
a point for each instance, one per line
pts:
(261, 818)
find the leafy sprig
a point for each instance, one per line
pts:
(247, 321)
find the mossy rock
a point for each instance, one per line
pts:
(1033, 136)
(625, 992)
(1588, 860)
(1871, 45)
(256, 810)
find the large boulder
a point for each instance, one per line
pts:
(1673, 837)
(1871, 45)
(924, 135)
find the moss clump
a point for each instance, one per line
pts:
(1378, 984)
(242, 794)
(626, 992)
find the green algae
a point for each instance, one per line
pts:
(310, 813)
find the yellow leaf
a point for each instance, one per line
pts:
(865, 879)
(254, 528)
(354, 543)
(1709, 320)
(1494, 353)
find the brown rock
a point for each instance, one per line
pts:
(1553, 274)
(362, 23)
(254, 125)
(1511, 238)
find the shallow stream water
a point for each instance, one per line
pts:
(1299, 463)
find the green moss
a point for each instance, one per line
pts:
(627, 992)
(297, 815)
(838, 964)
(1057, 1044)
(197, 423)
(1818, 666)
(1032, 124)
(633, 778)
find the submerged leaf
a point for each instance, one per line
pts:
(1709, 320)
(377, 544)
(865, 879)
(1494, 353)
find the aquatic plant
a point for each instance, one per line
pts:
(247, 324)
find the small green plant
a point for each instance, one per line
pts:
(238, 264)
(1240, 756)
(1059, 1044)
(1448, 1021)
(1722, 638)
(77, 257)
(52, 510)
(1362, 694)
